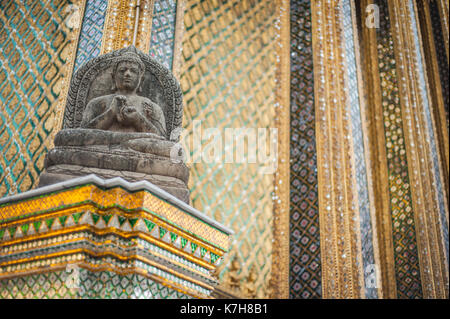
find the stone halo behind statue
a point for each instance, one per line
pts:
(122, 114)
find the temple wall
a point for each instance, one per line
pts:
(357, 206)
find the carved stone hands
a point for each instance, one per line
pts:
(130, 115)
(126, 114)
(117, 104)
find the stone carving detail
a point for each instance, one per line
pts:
(249, 286)
(233, 277)
(236, 285)
(95, 78)
(122, 115)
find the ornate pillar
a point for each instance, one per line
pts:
(411, 210)
(436, 64)
(428, 201)
(155, 26)
(305, 265)
(280, 257)
(377, 143)
(340, 235)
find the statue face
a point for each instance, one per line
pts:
(127, 76)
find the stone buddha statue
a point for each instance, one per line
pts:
(122, 113)
(124, 110)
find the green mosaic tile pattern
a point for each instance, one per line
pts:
(90, 40)
(34, 47)
(228, 81)
(163, 31)
(89, 285)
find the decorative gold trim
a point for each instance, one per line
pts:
(120, 24)
(443, 12)
(376, 149)
(178, 39)
(141, 214)
(425, 205)
(443, 170)
(104, 254)
(280, 253)
(145, 26)
(103, 243)
(96, 268)
(352, 222)
(110, 230)
(437, 105)
(136, 201)
(365, 123)
(340, 243)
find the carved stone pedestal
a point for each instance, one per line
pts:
(94, 238)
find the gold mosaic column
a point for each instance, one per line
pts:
(342, 273)
(67, 68)
(435, 87)
(433, 262)
(121, 22)
(377, 150)
(399, 94)
(280, 257)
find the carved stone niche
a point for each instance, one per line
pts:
(131, 151)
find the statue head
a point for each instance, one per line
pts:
(128, 72)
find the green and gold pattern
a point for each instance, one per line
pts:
(90, 40)
(35, 45)
(92, 285)
(163, 31)
(143, 210)
(228, 80)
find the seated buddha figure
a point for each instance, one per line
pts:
(118, 131)
(124, 110)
